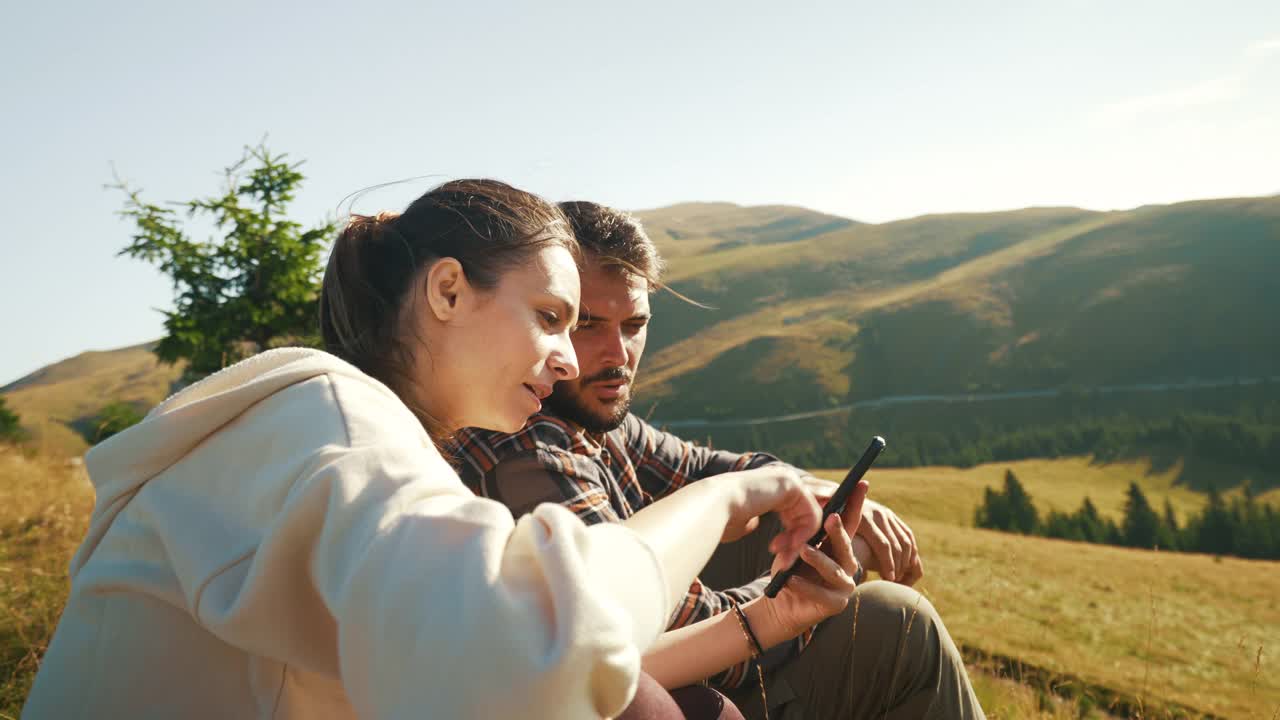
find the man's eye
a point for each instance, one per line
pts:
(550, 318)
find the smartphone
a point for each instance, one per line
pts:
(834, 505)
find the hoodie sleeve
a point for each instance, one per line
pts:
(444, 604)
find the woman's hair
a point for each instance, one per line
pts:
(369, 284)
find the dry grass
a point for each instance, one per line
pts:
(1005, 699)
(1195, 630)
(44, 509)
(1155, 627)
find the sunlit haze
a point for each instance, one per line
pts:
(871, 111)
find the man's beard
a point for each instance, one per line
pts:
(567, 401)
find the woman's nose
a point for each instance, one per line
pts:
(564, 361)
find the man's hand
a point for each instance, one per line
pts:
(890, 542)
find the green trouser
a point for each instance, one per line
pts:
(886, 656)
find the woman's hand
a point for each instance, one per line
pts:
(822, 587)
(772, 488)
(894, 552)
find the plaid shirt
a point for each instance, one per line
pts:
(607, 478)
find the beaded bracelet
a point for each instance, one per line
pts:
(756, 650)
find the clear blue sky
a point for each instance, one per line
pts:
(874, 111)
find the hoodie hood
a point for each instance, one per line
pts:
(122, 464)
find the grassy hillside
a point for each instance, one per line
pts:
(700, 229)
(815, 311)
(956, 303)
(1199, 631)
(58, 403)
(1146, 629)
(44, 511)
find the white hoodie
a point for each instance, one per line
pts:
(283, 540)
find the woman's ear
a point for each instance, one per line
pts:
(446, 288)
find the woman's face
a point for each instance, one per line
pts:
(505, 348)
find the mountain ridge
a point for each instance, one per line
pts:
(811, 316)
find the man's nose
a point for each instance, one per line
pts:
(615, 351)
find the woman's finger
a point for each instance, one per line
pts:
(798, 512)
(802, 515)
(841, 546)
(831, 573)
(852, 514)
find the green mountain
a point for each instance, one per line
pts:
(1037, 298)
(814, 313)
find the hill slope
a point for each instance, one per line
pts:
(57, 403)
(1200, 631)
(815, 311)
(1027, 299)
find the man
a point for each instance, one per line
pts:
(887, 655)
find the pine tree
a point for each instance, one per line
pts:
(1093, 528)
(10, 426)
(1169, 533)
(250, 290)
(993, 513)
(1063, 526)
(1141, 525)
(1213, 529)
(1252, 532)
(1022, 514)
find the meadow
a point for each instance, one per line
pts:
(44, 511)
(814, 312)
(1051, 629)
(1154, 634)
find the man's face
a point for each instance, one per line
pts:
(612, 326)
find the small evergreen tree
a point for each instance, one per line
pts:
(1022, 514)
(1169, 533)
(1010, 509)
(993, 513)
(1252, 531)
(1062, 526)
(252, 289)
(1141, 525)
(1093, 527)
(1213, 531)
(10, 425)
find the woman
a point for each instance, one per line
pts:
(284, 539)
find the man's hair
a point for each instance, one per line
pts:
(615, 239)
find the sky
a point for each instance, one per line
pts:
(872, 111)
